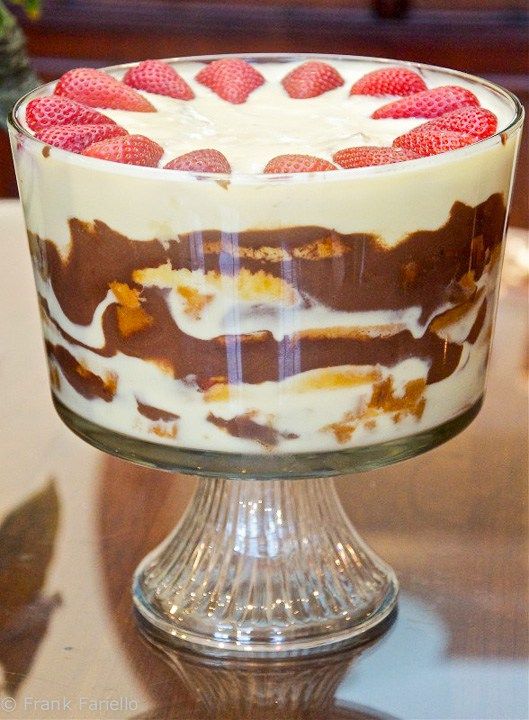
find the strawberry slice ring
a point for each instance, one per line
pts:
(286, 164)
(189, 112)
(366, 156)
(428, 103)
(158, 77)
(476, 121)
(53, 111)
(76, 138)
(129, 149)
(432, 141)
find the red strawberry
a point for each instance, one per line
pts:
(297, 164)
(476, 121)
(51, 111)
(428, 104)
(232, 79)
(432, 141)
(97, 89)
(131, 150)
(158, 77)
(78, 137)
(311, 79)
(207, 161)
(389, 81)
(355, 157)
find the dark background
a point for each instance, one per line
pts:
(488, 37)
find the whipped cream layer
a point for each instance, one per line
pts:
(265, 314)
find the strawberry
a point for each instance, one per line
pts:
(476, 121)
(311, 79)
(355, 157)
(428, 104)
(232, 79)
(131, 150)
(158, 77)
(432, 141)
(297, 164)
(207, 161)
(76, 138)
(51, 111)
(389, 81)
(97, 89)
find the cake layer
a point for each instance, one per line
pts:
(250, 359)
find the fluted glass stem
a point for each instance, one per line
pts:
(259, 567)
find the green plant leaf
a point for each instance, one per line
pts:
(32, 8)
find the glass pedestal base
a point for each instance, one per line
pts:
(265, 568)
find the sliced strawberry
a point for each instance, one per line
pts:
(367, 155)
(131, 150)
(51, 111)
(207, 161)
(431, 141)
(389, 81)
(78, 137)
(232, 79)
(311, 79)
(476, 121)
(97, 89)
(428, 104)
(297, 164)
(158, 77)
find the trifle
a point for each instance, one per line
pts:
(266, 267)
(266, 255)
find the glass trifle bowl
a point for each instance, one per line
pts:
(272, 326)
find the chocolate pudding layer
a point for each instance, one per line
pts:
(322, 317)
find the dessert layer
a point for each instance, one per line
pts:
(415, 194)
(217, 337)
(313, 267)
(314, 411)
(148, 306)
(390, 205)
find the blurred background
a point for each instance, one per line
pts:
(486, 37)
